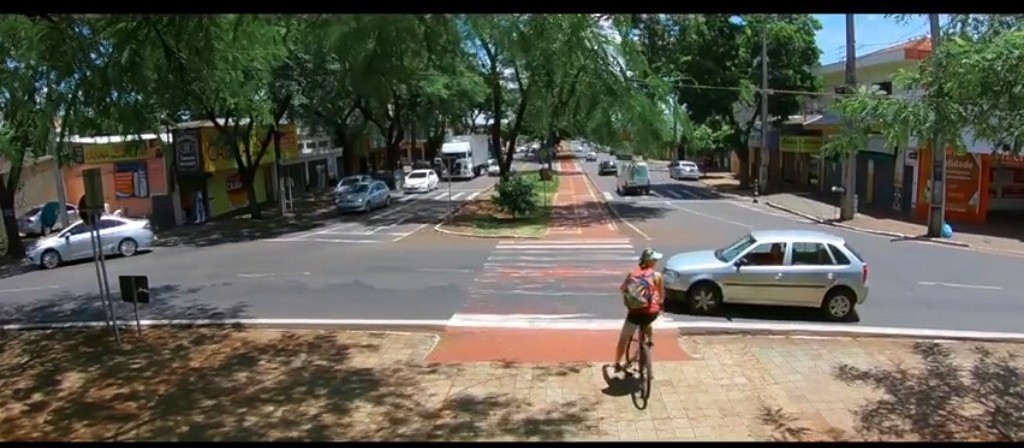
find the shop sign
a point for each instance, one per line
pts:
(109, 153)
(186, 150)
(800, 143)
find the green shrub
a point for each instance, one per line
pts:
(517, 195)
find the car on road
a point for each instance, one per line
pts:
(421, 181)
(364, 197)
(31, 223)
(606, 167)
(684, 170)
(592, 156)
(798, 268)
(634, 177)
(348, 181)
(119, 235)
(493, 169)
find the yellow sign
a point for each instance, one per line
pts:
(117, 152)
(218, 156)
(795, 143)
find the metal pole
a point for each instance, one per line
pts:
(138, 322)
(847, 211)
(762, 176)
(448, 166)
(106, 285)
(937, 210)
(99, 278)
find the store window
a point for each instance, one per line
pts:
(131, 180)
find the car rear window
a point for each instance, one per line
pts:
(841, 257)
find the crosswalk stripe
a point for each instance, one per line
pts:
(563, 242)
(569, 247)
(456, 196)
(673, 194)
(473, 195)
(594, 257)
(406, 198)
(440, 196)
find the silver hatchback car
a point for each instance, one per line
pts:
(772, 267)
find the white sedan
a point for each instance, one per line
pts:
(685, 170)
(421, 181)
(120, 236)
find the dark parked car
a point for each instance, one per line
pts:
(393, 179)
(607, 167)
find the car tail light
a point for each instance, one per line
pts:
(864, 274)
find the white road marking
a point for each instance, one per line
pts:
(440, 196)
(321, 240)
(590, 257)
(608, 196)
(37, 288)
(273, 274)
(417, 229)
(718, 218)
(473, 195)
(568, 246)
(673, 194)
(407, 197)
(523, 292)
(629, 224)
(958, 285)
(327, 230)
(564, 322)
(456, 196)
(693, 195)
(445, 270)
(601, 251)
(562, 242)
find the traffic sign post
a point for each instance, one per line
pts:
(91, 207)
(135, 290)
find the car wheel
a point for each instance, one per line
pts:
(704, 298)
(50, 259)
(839, 304)
(128, 247)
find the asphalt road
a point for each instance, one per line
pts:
(913, 284)
(426, 276)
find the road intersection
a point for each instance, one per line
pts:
(407, 273)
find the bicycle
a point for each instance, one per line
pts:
(641, 360)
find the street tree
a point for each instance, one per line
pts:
(46, 61)
(231, 70)
(712, 62)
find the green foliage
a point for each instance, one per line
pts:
(967, 89)
(516, 195)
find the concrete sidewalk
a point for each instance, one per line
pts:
(987, 237)
(245, 384)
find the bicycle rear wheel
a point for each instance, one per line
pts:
(646, 372)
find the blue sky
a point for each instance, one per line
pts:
(873, 32)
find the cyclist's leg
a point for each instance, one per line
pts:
(649, 328)
(628, 328)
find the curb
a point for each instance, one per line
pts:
(447, 218)
(485, 322)
(819, 220)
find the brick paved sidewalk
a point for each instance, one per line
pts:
(237, 384)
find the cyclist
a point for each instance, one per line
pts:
(644, 311)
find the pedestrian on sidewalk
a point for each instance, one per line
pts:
(643, 291)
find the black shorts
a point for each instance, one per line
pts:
(641, 319)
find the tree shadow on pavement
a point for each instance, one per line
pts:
(941, 400)
(167, 304)
(229, 383)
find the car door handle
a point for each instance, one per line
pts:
(778, 276)
(831, 276)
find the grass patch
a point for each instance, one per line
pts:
(488, 221)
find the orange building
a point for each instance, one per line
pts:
(133, 171)
(977, 184)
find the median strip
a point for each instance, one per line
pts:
(483, 218)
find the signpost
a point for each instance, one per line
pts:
(90, 208)
(135, 290)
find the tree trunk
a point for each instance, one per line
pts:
(248, 177)
(15, 248)
(743, 155)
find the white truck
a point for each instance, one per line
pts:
(466, 156)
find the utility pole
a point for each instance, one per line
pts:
(848, 208)
(937, 210)
(762, 174)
